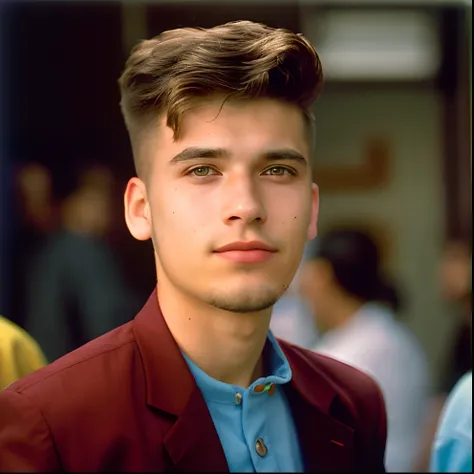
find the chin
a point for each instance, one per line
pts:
(247, 299)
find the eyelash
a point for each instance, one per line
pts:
(288, 171)
(192, 170)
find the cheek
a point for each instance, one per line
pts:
(290, 203)
(293, 213)
(178, 218)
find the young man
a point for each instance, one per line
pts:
(220, 127)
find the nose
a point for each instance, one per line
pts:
(242, 201)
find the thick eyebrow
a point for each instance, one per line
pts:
(193, 153)
(285, 154)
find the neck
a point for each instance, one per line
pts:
(226, 346)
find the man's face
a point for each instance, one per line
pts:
(230, 204)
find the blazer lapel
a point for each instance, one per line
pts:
(327, 443)
(192, 442)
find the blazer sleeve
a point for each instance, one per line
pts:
(26, 444)
(377, 459)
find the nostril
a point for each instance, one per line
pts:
(248, 219)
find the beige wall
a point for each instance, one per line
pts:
(410, 207)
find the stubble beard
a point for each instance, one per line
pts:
(245, 302)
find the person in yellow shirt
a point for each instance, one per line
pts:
(19, 353)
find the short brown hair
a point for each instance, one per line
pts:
(172, 72)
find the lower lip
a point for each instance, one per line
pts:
(246, 256)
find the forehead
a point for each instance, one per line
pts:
(241, 126)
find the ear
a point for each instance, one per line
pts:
(313, 223)
(137, 210)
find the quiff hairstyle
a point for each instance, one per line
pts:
(178, 69)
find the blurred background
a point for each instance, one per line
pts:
(393, 160)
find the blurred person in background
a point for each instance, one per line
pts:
(355, 310)
(75, 288)
(36, 220)
(452, 447)
(35, 198)
(19, 353)
(455, 287)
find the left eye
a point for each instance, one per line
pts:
(278, 171)
(202, 171)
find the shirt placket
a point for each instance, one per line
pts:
(254, 411)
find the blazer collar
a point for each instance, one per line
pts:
(321, 416)
(169, 381)
(193, 443)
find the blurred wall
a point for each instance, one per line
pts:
(421, 124)
(409, 210)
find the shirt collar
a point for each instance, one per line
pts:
(216, 391)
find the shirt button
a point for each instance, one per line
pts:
(260, 447)
(238, 398)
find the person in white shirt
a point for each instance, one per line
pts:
(354, 309)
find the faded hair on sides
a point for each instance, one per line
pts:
(178, 69)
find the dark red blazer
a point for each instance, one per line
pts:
(127, 402)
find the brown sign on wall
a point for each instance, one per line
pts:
(372, 173)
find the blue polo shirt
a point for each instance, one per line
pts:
(255, 425)
(452, 448)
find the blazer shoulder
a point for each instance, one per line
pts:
(350, 396)
(94, 397)
(92, 361)
(345, 379)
